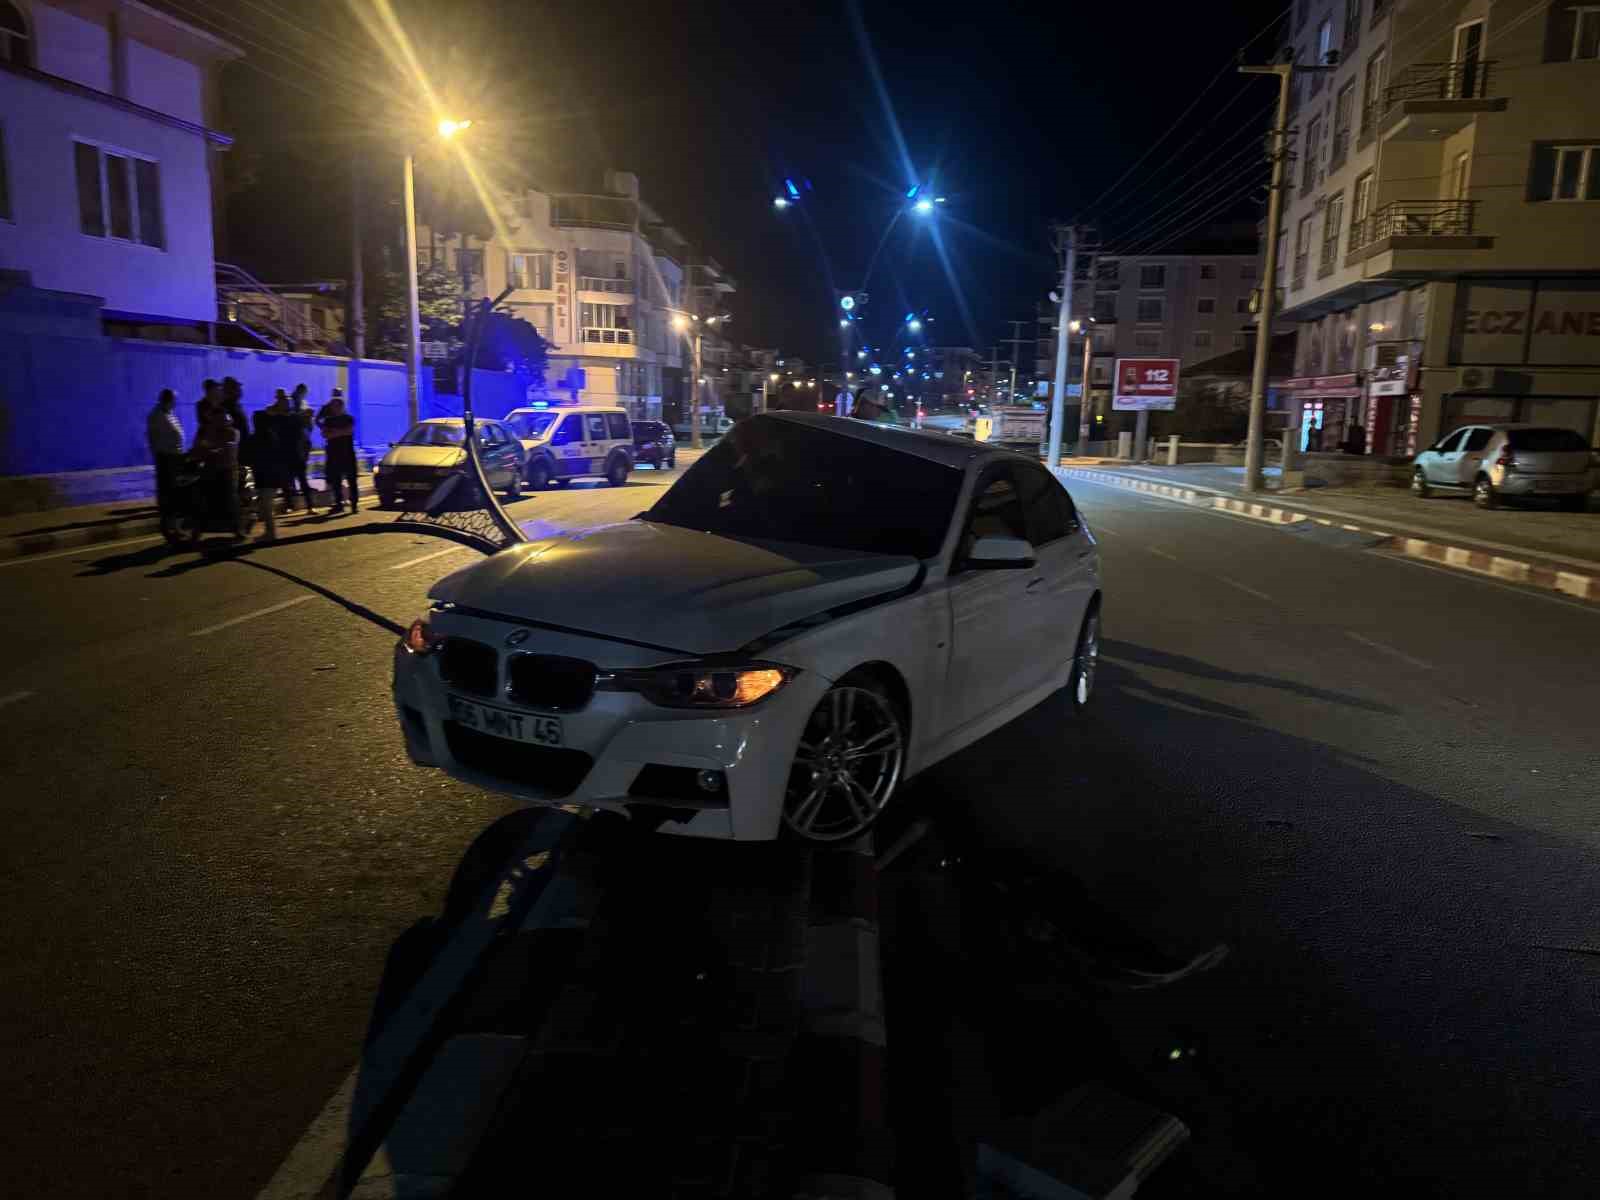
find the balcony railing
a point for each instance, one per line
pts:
(1338, 149)
(1329, 258)
(1440, 81)
(1298, 279)
(601, 283)
(1414, 218)
(609, 337)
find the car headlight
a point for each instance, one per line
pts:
(703, 685)
(376, 467)
(419, 637)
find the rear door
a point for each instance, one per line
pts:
(618, 433)
(1059, 587)
(595, 435)
(991, 652)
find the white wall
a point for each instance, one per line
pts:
(164, 83)
(71, 47)
(40, 125)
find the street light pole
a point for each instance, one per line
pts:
(413, 314)
(694, 391)
(1063, 327)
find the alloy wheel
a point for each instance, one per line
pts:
(1086, 661)
(847, 766)
(1419, 484)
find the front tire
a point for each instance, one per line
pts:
(1085, 662)
(1419, 485)
(848, 764)
(1483, 493)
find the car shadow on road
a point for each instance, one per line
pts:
(1167, 661)
(212, 550)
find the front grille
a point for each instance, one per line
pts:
(550, 682)
(469, 665)
(556, 772)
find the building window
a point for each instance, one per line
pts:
(1151, 310)
(1324, 43)
(1202, 339)
(1586, 33)
(1332, 222)
(1352, 26)
(14, 42)
(1105, 308)
(1107, 272)
(1308, 177)
(1241, 306)
(1372, 93)
(1458, 175)
(1360, 210)
(1302, 252)
(5, 182)
(1344, 111)
(1208, 271)
(1565, 173)
(119, 196)
(1206, 306)
(607, 323)
(1147, 343)
(1152, 277)
(529, 272)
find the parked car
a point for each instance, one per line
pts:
(1498, 461)
(574, 441)
(815, 611)
(435, 449)
(710, 427)
(653, 443)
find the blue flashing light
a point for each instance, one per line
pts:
(794, 192)
(847, 302)
(911, 192)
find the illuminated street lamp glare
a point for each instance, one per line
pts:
(449, 128)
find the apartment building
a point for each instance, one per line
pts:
(1441, 234)
(601, 277)
(107, 158)
(1191, 307)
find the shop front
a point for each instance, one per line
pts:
(1328, 405)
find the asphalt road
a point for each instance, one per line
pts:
(1373, 780)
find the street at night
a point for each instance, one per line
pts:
(1304, 750)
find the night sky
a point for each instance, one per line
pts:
(1019, 113)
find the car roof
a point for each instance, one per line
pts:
(935, 447)
(566, 408)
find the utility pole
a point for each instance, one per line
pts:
(694, 378)
(1067, 238)
(356, 318)
(994, 373)
(1279, 154)
(413, 317)
(1015, 340)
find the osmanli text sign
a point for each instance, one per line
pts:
(1145, 383)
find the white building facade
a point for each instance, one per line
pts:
(106, 157)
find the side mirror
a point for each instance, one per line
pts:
(999, 553)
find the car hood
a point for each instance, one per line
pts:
(423, 456)
(671, 588)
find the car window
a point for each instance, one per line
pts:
(1477, 439)
(1547, 441)
(996, 510)
(571, 430)
(531, 425)
(778, 480)
(434, 435)
(618, 424)
(597, 426)
(489, 433)
(1046, 507)
(1452, 443)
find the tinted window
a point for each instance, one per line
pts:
(531, 425)
(1452, 443)
(618, 425)
(1479, 438)
(1547, 441)
(996, 509)
(571, 430)
(597, 426)
(776, 480)
(1046, 507)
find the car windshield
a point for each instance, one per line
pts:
(1547, 441)
(530, 426)
(782, 481)
(435, 435)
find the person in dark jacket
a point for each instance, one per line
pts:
(338, 433)
(273, 460)
(300, 482)
(216, 453)
(233, 409)
(1355, 439)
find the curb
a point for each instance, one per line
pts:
(1532, 573)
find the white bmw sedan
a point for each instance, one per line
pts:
(816, 611)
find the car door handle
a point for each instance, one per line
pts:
(1033, 584)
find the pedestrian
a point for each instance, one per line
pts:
(216, 453)
(210, 397)
(232, 403)
(273, 461)
(1313, 438)
(339, 437)
(1355, 439)
(164, 432)
(302, 416)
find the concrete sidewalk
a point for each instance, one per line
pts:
(1562, 554)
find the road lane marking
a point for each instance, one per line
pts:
(1400, 654)
(86, 548)
(13, 697)
(412, 562)
(251, 616)
(1162, 554)
(1245, 587)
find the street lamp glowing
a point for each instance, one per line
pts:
(914, 325)
(449, 128)
(773, 377)
(680, 322)
(780, 202)
(923, 206)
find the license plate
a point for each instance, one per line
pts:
(503, 723)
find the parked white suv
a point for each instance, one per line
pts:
(1492, 461)
(573, 441)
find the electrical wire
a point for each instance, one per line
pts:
(1211, 186)
(1210, 209)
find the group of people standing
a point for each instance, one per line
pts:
(229, 450)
